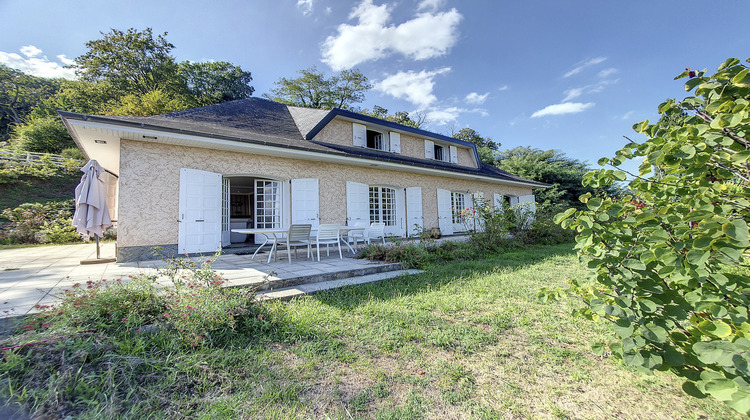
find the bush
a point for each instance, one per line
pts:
(41, 135)
(41, 222)
(193, 309)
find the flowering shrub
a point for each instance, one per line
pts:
(196, 309)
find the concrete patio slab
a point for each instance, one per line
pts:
(38, 275)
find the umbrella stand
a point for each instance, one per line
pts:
(98, 259)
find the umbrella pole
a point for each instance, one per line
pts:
(97, 247)
(98, 259)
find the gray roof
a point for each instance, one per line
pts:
(257, 120)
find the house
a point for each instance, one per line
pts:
(182, 180)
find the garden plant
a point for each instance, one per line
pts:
(669, 261)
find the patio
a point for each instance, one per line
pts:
(36, 275)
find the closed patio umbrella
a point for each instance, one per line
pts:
(91, 217)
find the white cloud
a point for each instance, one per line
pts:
(585, 64)
(412, 86)
(443, 116)
(427, 35)
(628, 115)
(35, 63)
(475, 98)
(607, 72)
(573, 93)
(563, 108)
(306, 6)
(30, 51)
(503, 87)
(430, 5)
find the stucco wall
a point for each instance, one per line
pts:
(150, 175)
(340, 132)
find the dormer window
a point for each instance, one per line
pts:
(376, 140)
(363, 136)
(440, 153)
(443, 153)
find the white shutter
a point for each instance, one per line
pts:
(445, 220)
(225, 204)
(305, 202)
(200, 211)
(513, 200)
(395, 142)
(357, 203)
(454, 154)
(429, 149)
(359, 135)
(414, 209)
(400, 228)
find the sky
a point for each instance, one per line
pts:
(569, 75)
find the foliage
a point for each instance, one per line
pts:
(215, 82)
(313, 90)
(19, 94)
(669, 268)
(133, 61)
(486, 147)
(152, 103)
(564, 174)
(41, 135)
(41, 223)
(415, 120)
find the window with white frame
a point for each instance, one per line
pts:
(383, 205)
(376, 140)
(440, 153)
(458, 204)
(267, 204)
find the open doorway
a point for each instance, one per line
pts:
(252, 203)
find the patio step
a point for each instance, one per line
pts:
(311, 288)
(276, 283)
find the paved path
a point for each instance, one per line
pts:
(35, 276)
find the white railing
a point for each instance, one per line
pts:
(32, 157)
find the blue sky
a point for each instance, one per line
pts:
(567, 75)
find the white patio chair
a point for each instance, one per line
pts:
(354, 236)
(376, 231)
(298, 235)
(328, 235)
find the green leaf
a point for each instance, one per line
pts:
(715, 328)
(673, 357)
(741, 157)
(737, 231)
(623, 328)
(697, 257)
(620, 175)
(634, 264)
(598, 348)
(594, 203)
(654, 333)
(742, 362)
(739, 77)
(714, 352)
(559, 217)
(690, 389)
(721, 389)
(729, 62)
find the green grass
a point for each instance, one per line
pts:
(465, 340)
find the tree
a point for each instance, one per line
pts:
(400, 117)
(313, 90)
(41, 135)
(215, 82)
(134, 62)
(669, 274)
(486, 148)
(564, 174)
(19, 93)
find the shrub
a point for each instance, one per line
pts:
(661, 257)
(193, 309)
(41, 222)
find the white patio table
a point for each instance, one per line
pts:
(265, 232)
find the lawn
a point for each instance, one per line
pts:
(464, 340)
